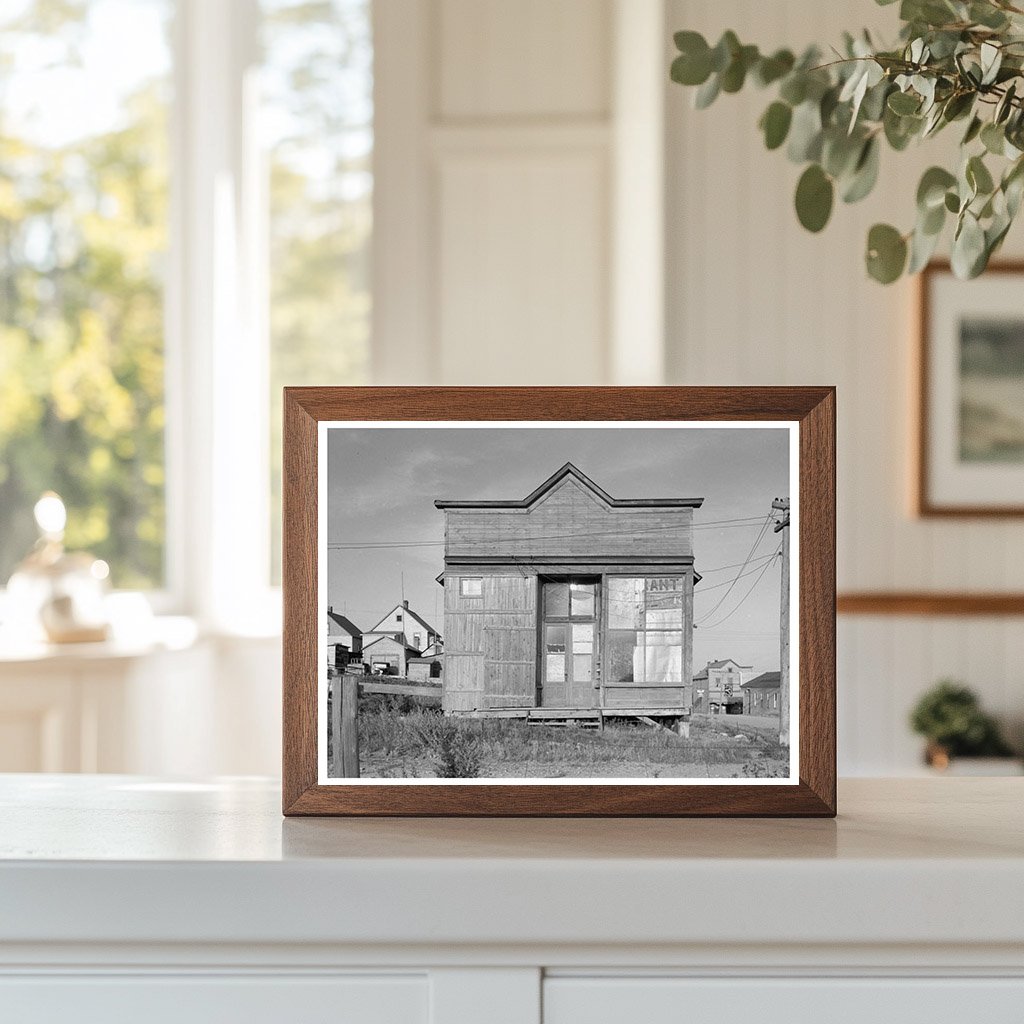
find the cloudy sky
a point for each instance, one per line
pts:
(382, 483)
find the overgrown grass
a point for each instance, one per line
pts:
(402, 739)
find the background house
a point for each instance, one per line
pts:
(717, 686)
(761, 694)
(344, 639)
(417, 633)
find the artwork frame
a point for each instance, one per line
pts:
(955, 474)
(812, 409)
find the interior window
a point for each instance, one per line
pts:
(471, 586)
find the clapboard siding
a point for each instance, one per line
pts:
(570, 523)
(754, 299)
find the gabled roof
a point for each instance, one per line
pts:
(569, 470)
(346, 624)
(398, 638)
(405, 611)
(727, 661)
(765, 681)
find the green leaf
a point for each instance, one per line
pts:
(814, 194)
(922, 247)
(693, 65)
(886, 254)
(707, 93)
(993, 138)
(805, 133)
(931, 191)
(952, 202)
(1005, 104)
(903, 103)
(865, 173)
(771, 69)
(794, 89)
(973, 130)
(969, 254)
(735, 74)
(978, 176)
(725, 49)
(775, 124)
(985, 14)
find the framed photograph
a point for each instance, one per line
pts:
(971, 393)
(559, 601)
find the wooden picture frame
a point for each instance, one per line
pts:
(935, 475)
(808, 791)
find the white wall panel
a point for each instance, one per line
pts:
(527, 58)
(522, 285)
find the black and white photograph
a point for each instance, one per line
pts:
(574, 602)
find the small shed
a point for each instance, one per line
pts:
(388, 655)
(568, 603)
(761, 694)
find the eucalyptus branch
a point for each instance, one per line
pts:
(955, 59)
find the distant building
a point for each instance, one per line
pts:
(344, 639)
(416, 631)
(388, 654)
(568, 603)
(761, 694)
(716, 688)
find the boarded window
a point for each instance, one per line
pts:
(645, 629)
(471, 586)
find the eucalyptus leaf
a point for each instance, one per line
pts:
(771, 69)
(886, 253)
(814, 195)
(865, 173)
(978, 176)
(904, 103)
(968, 248)
(707, 93)
(805, 133)
(775, 124)
(931, 190)
(993, 138)
(922, 247)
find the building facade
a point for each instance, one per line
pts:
(716, 688)
(344, 640)
(761, 694)
(569, 600)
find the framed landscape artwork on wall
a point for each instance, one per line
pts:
(572, 601)
(970, 452)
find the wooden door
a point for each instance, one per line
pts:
(569, 644)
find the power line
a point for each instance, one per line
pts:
(750, 554)
(718, 524)
(750, 590)
(729, 583)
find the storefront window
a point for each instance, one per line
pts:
(645, 629)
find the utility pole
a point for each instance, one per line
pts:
(781, 505)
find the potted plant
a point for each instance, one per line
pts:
(956, 62)
(950, 718)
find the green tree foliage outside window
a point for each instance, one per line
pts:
(83, 218)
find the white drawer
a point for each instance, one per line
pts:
(202, 999)
(676, 1000)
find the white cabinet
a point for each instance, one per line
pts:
(202, 999)
(127, 899)
(828, 1000)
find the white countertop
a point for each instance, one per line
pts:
(121, 859)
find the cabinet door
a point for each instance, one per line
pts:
(782, 1001)
(205, 999)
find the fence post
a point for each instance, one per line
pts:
(347, 736)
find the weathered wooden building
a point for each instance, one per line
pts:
(569, 603)
(761, 694)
